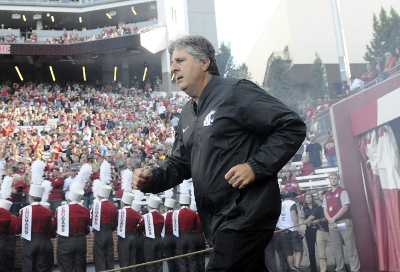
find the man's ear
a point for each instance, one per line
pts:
(206, 64)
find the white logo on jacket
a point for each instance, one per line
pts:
(209, 119)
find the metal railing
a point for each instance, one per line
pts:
(321, 123)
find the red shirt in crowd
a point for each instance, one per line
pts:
(57, 184)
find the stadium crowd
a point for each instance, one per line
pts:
(129, 127)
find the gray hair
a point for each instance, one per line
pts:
(199, 47)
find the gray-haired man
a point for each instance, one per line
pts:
(232, 139)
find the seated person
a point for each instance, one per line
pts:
(307, 166)
(290, 183)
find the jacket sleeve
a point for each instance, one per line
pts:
(175, 169)
(283, 129)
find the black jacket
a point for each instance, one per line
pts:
(235, 122)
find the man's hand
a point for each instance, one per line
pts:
(331, 221)
(240, 176)
(141, 178)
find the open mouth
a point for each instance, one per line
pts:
(179, 78)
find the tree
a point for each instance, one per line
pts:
(281, 87)
(224, 60)
(386, 36)
(227, 67)
(241, 72)
(318, 82)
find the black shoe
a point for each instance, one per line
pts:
(295, 269)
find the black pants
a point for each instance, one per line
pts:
(170, 251)
(199, 244)
(127, 250)
(37, 254)
(140, 253)
(71, 253)
(311, 238)
(2, 252)
(10, 254)
(184, 245)
(103, 248)
(153, 249)
(241, 251)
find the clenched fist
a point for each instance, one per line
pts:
(141, 178)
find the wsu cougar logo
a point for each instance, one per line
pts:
(209, 119)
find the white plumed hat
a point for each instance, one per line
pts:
(169, 202)
(36, 190)
(75, 194)
(136, 205)
(127, 198)
(184, 199)
(5, 204)
(153, 201)
(104, 190)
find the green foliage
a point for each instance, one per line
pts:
(227, 67)
(318, 82)
(281, 86)
(224, 60)
(240, 71)
(386, 36)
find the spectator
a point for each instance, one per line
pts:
(369, 74)
(323, 239)
(309, 111)
(314, 152)
(327, 103)
(345, 90)
(290, 183)
(308, 209)
(309, 168)
(337, 211)
(319, 107)
(55, 197)
(291, 239)
(356, 84)
(390, 61)
(16, 190)
(330, 150)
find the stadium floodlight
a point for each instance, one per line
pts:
(84, 73)
(48, 14)
(173, 76)
(24, 17)
(52, 18)
(109, 16)
(19, 73)
(133, 10)
(52, 73)
(115, 73)
(145, 71)
(80, 19)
